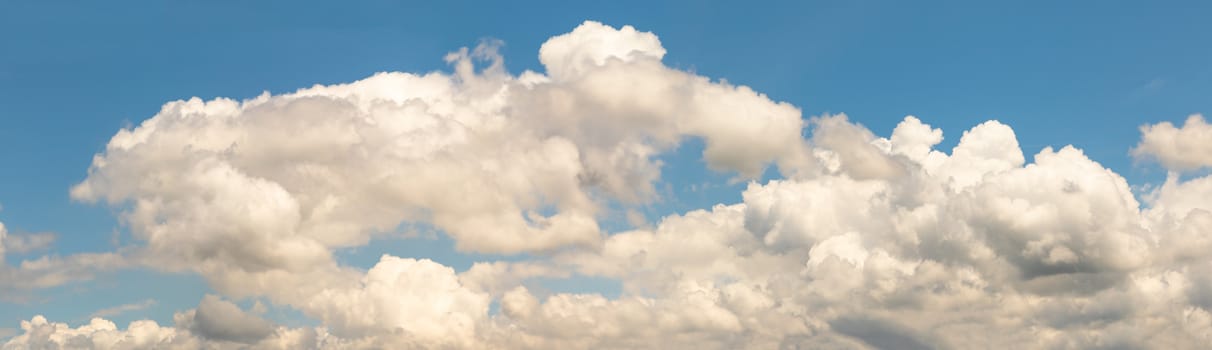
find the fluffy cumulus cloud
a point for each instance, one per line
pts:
(1177, 148)
(215, 324)
(864, 242)
(39, 333)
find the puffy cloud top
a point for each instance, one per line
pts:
(593, 44)
(98, 334)
(1177, 148)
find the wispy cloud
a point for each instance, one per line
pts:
(1154, 85)
(121, 309)
(1148, 88)
(28, 242)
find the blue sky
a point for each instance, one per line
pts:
(73, 73)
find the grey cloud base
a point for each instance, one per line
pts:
(866, 242)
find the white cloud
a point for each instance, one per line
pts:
(1177, 148)
(592, 45)
(415, 299)
(38, 333)
(26, 243)
(925, 259)
(124, 308)
(853, 148)
(99, 333)
(3, 238)
(866, 242)
(215, 324)
(502, 164)
(19, 283)
(17, 280)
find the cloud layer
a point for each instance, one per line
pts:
(865, 242)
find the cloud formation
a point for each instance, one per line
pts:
(865, 242)
(3, 238)
(219, 319)
(24, 243)
(1177, 148)
(124, 308)
(45, 271)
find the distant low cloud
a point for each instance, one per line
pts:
(39, 333)
(862, 241)
(124, 308)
